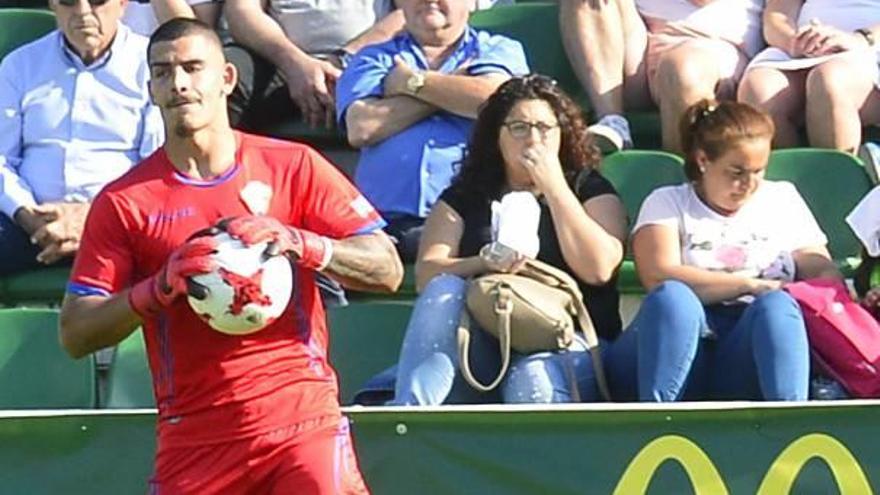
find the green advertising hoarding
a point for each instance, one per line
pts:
(717, 449)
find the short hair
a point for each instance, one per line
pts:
(715, 127)
(181, 27)
(483, 172)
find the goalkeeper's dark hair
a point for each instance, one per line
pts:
(181, 27)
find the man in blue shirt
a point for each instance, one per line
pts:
(74, 115)
(409, 104)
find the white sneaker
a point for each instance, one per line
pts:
(611, 133)
(869, 153)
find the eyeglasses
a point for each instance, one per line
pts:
(521, 129)
(71, 3)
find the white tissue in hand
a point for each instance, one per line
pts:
(515, 222)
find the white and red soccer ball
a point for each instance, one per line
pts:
(248, 290)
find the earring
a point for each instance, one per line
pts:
(702, 170)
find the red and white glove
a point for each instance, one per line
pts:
(149, 296)
(308, 249)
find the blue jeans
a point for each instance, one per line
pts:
(428, 370)
(686, 350)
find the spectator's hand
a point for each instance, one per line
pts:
(395, 81)
(150, 295)
(307, 248)
(63, 222)
(28, 219)
(498, 258)
(817, 39)
(701, 3)
(56, 251)
(312, 84)
(758, 286)
(544, 168)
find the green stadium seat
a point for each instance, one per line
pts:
(129, 383)
(365, 338)
(831, 182)
(19, 26)
(635, 173)
(35, 373)
(536, 26)
(44, 287)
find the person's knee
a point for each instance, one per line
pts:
(674, 295)
(753, 89)
(776, 302)
(685, 73)
(445, 283)
(829, 83)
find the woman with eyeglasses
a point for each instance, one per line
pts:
(715, 253)
(531, 137)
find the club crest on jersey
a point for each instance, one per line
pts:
(256, 196)
(361, 206)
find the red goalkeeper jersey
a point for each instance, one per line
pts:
(212, 387)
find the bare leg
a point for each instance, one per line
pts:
(838, 93)
(781, 95)
(605, 41)
(685, 74)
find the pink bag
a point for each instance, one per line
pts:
(844, 336)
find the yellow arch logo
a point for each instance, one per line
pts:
(706, 480)
(785, 469)
(699, 468)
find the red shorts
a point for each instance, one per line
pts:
(312, 458)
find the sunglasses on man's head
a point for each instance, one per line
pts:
(71, 3)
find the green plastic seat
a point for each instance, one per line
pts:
(35, 373)
(635, 173)
(129, 383)
(831, 182)
(536, 26)
(20, 26)
(44, 287)
(365, 338)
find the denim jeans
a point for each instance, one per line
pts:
(686, 350)
(428, 370)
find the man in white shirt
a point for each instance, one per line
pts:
(74, 115)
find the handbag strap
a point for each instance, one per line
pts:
(504, 308)
(545, 273)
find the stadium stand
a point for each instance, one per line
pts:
(831, 182)
(19, 26)
(365, 338)
(34, 371)
(635, 173)
(129, 384)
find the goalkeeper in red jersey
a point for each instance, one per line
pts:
(257, 413)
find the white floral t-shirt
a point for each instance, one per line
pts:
(756, 241)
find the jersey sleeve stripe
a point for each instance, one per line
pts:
(86, 290)
(378, 224)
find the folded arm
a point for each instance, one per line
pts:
(658, 258)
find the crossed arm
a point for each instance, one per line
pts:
(371, 120)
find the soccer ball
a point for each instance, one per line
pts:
(247, 291)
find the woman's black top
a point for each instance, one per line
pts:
(602, 301)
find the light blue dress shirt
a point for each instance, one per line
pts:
(67, 129)
(405, 173)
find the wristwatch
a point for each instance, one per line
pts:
(344, 57)
(415, 82)
(867, 34)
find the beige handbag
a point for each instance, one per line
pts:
(536, 309)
